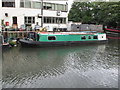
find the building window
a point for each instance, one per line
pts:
(49, 6)
(95, 37)
(53, 6)
(48, 20)
(27, 4)
(22, 3)
(8, 3)
(45, 20)
(64, 20)
(51, 38)
(55, 20)
(29, 20)
(83, 37)
(63, 8)
(36, 5)
(56, 6)
(66, 7)
(30, 4)
(61, 20)
(59, 7)
(44, 5)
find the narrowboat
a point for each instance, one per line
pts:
(62, 38)
(112, 30)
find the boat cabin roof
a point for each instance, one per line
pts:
(67, 33)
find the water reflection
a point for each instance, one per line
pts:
(0, 67)
(61, 67)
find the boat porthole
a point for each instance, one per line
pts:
(89, 37)
(83, 37)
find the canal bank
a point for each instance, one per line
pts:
(88, 66)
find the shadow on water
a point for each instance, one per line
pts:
(61, 67)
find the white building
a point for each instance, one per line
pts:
(17, 13)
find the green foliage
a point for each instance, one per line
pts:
(106, 13)
(2, 23)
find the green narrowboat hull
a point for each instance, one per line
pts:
(26, 43)
(62, 39)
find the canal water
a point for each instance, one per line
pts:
(84, 66)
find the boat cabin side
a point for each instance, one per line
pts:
(67, 37)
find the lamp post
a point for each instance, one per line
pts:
(42, 18)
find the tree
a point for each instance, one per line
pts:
(106, 13)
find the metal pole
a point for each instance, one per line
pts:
(42, 18)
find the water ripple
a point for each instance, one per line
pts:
(56, 67)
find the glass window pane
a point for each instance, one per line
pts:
(61, 7)
(29, 19)
(36, 5)
(89, 37)
(64, 20)
(56, 6)
(21, 3)
(8, 0)
(44, 5)
(48, 6)
(25, 19)
(61, 20)
(54, 20)
(8, 3)
(57, 20)
(51, 38)
(33, 20)
(49, 19)
(45, 20)
(53, 6)
(64, 7)
(27, 4)
(83, 37)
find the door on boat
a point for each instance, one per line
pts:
(38, 37)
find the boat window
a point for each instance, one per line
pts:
(51, 38)
(83, 37)
(95, 37)
(89, 37)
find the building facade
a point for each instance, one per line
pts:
(28, 13)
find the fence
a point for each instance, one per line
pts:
(85, 27)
